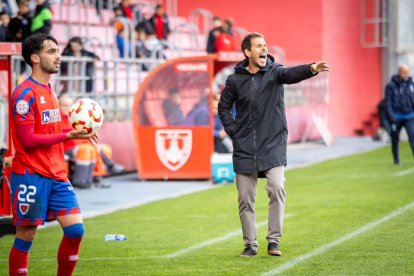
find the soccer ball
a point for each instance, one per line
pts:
(86, 115)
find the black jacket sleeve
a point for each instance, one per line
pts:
(388, 102)
(227, 99)
(293, 74)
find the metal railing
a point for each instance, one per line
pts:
(187, 28)
(115, 81)
(374, 23)
(206, 19)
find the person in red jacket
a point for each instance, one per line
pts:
(159, 23)
(224, 42)
(40, 187)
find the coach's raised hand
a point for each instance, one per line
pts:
(320, 66)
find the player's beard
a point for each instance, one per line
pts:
(49, 68)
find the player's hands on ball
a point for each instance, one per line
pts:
(79, 134)
(320, 66)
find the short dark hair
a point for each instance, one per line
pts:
(247, 41)
(34, 45)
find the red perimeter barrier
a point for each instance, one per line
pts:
(6, 51)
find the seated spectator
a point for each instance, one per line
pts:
(172, 108)
(75, 49)
(200, 114)
(91, 162)
(19, 26)
(228, 26)
(159, 23)
(222, 142)
(212, 35)
(4, 23)
(4, 7)
(225, 42)
(147, 45)
(42, 19)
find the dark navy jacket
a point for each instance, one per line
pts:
(399, 98)
(259, 130)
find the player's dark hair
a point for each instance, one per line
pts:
(247, 41)
(34, 45)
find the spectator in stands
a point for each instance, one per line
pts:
(91, 162)
(159, 23)
(127, 7)
(42, 19)
(4, 22)
(172, 108)
(225, 42)
(228, 26)
(4, 7)
(117, 22)
(147, 45)
(212, 35)
(19, 26)
(74, 48)
(399, 99)
(222, 142)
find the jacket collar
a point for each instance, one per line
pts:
(240, 68)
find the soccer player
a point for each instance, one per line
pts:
(40, 188)
(259, 134)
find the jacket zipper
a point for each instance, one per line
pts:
(254, 129)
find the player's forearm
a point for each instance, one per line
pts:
(31, 140)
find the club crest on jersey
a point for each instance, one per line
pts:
(22, 107)
(50, 116)
(24, 208)
(173, 147)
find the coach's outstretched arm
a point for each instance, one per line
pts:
(299, 73)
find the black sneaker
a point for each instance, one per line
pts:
(273, 249)
(249, 252)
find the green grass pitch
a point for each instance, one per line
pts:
(198, 234)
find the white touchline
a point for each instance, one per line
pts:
(402, 173)
(212, 241)
(345, 238)
(172, 255)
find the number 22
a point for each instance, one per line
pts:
(26, 193)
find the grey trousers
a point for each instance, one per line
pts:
(247, 186)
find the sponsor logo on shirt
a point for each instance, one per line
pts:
(22, 107)
(42, 100)
(50, 116)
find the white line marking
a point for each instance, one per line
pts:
(402, 173)
(212, 241)
(209, 242)
(330, 245)
(172, 255)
